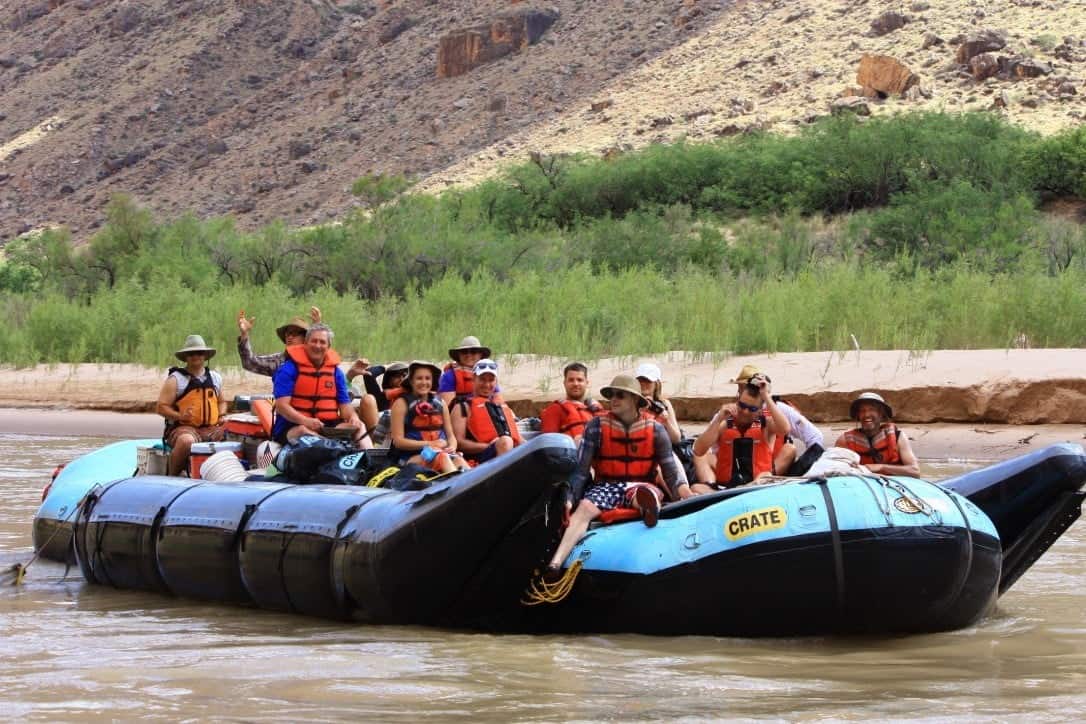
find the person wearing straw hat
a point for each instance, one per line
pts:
(743, 433)
(311, 392)
(420, 425)
(485, 428)
(291, 333)
(623, 450)
(457, 379)
(192, 402)
(800, 429)
(882, 447)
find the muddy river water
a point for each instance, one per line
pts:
(71, 650)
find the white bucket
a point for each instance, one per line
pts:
(223, 466)
(151, 461)
(142, 453)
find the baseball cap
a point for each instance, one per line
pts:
(649, 371)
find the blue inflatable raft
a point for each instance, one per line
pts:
(844, 554)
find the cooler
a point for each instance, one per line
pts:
(201, 451)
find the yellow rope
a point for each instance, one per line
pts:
(541, 591)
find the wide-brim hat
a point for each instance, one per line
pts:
(468, 344)
(745, 374)
(625, 383)
(869, 397)
(395, 367)
(194, 343)
(299, 322)
(414, 365)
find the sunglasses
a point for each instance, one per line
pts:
(480, 369)
(618, 395)
(748, 408)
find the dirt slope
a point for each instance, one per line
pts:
(271, 108)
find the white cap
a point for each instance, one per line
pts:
(485, 366)
(649, 371)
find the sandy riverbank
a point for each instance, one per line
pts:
(1016, 387)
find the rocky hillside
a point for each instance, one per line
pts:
(271, 108)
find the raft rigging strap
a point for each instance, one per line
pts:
(541, 591)
(18, 570)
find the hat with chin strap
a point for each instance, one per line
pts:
(628, 384)
(853, 409)
(194, 343)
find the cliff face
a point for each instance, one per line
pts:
(271, 108)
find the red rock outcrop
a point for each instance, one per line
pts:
(885, 75)
(463, 50)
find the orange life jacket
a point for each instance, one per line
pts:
(314, 392)
(880, 449)
(199, 398)
(574, 415)
(732, 472)
(425, 419)
(465, 384)
(465, 381)
(488, 420)
(394, 393)
(626, 455)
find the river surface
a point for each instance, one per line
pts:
(72, 650)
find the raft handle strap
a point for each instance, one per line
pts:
(838, 557)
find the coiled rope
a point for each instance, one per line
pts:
(542, 591)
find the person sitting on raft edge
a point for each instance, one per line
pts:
(291, 333)
(420, 426)
(192, 402)
(882, 447)
(485, 427)
(311, 391)
(743, 436)
(569, 416)
(623, 449)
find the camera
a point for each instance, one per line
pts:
(657, 407)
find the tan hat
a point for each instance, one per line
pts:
(194, 343)
(745, 374)
(625, 383)
(869, 397)
(298, 322)
(414, 365)
(468, 344)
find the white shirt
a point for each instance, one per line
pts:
(803, 430)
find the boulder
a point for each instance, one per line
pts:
(884, 75)
(855, 105)
(888, 22)
(983, 66)
(1018, 68)
(931, 40)
(461, 51)
(974, 44)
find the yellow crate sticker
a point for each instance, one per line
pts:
(756, 521)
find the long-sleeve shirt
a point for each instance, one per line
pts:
(259, 364)
(590, 445)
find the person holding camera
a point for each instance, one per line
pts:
(649, 377)
(744, 433)
(421, 428)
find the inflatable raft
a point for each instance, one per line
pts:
(844, 554)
